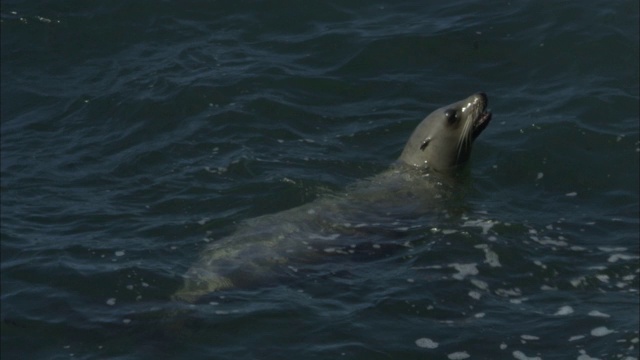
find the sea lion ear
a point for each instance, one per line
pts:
(425, 143)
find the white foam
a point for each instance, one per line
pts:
(486, 225)
(615, 257)
(529, 337)
(426, 343)
(584, 356)
(539, 263)
(565, 310)
(611, 249)
(576, 337)
(464, 270)
(111, 301)
(549, 241)
(321, 237)
(509, 292)
(480, 284)
(577, 281)
(597, 313)
(601, 331)
(459, 355)
(333, 250)
(491, 257)
(521, 356)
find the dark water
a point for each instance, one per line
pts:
(134, 133)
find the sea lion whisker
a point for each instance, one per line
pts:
(463, 139)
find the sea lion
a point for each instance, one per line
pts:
(336, 224)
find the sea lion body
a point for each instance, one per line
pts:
(265, 246)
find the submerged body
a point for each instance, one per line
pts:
(263, 246)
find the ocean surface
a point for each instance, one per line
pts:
(134, 134)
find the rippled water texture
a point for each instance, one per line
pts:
(137, 133)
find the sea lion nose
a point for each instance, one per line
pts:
(482, 97)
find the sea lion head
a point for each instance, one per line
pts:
(442, 141)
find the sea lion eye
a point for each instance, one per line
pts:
(451, 115)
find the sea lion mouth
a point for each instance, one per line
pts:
(481, 123)
(484, 116)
